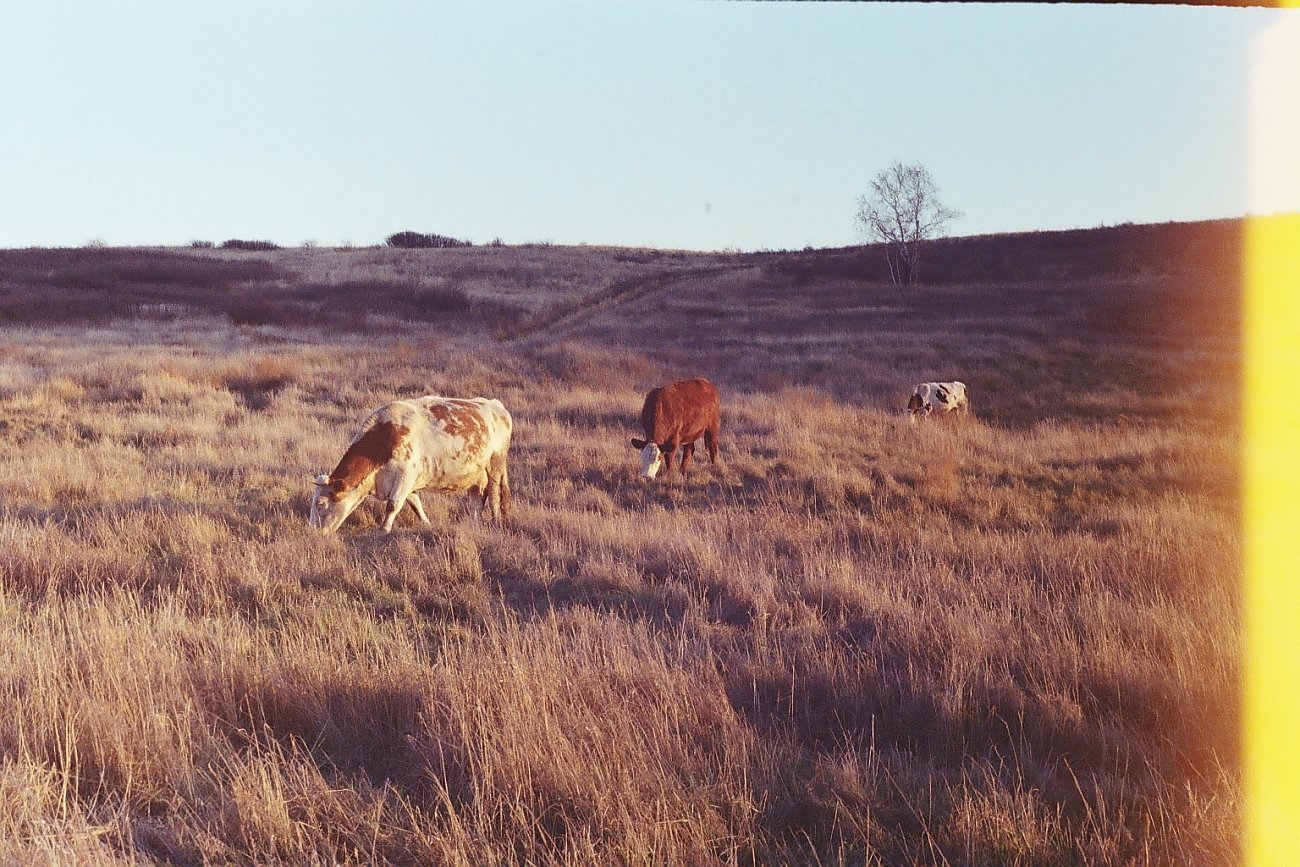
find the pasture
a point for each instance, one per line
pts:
(1007, 640)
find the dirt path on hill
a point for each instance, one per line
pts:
(567, 313)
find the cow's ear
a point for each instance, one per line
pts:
(638, 444)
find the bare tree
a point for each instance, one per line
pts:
(903, 211)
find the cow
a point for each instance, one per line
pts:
(675, 415)
(428, 443)
(940, 397)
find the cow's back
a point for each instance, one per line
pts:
(681, 411)
(950, 395)
(455, 439)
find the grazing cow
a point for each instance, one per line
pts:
(940, 397)
(675, 415)
(427, 443)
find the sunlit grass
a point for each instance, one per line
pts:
(1013, 640)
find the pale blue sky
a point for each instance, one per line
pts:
(693, 125)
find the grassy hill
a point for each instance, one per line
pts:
(853, 641)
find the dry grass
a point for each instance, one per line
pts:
(1010, 641)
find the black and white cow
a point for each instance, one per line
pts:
(938, 397)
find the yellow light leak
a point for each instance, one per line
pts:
(1272, 543)
(1271, 459)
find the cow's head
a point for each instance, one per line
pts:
(331, 506)
(652, 457)
(916, 405)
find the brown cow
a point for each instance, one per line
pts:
(675, 415)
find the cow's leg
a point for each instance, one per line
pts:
(667, 450)
(504, 489)
(395, 497)
(688, 449)
(491, 491)
(391, 508)
(414, 502)
(711, 443)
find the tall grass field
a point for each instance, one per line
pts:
(1012, 639)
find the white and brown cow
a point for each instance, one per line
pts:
(675, 415)
(427, 443)
(938, 397)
